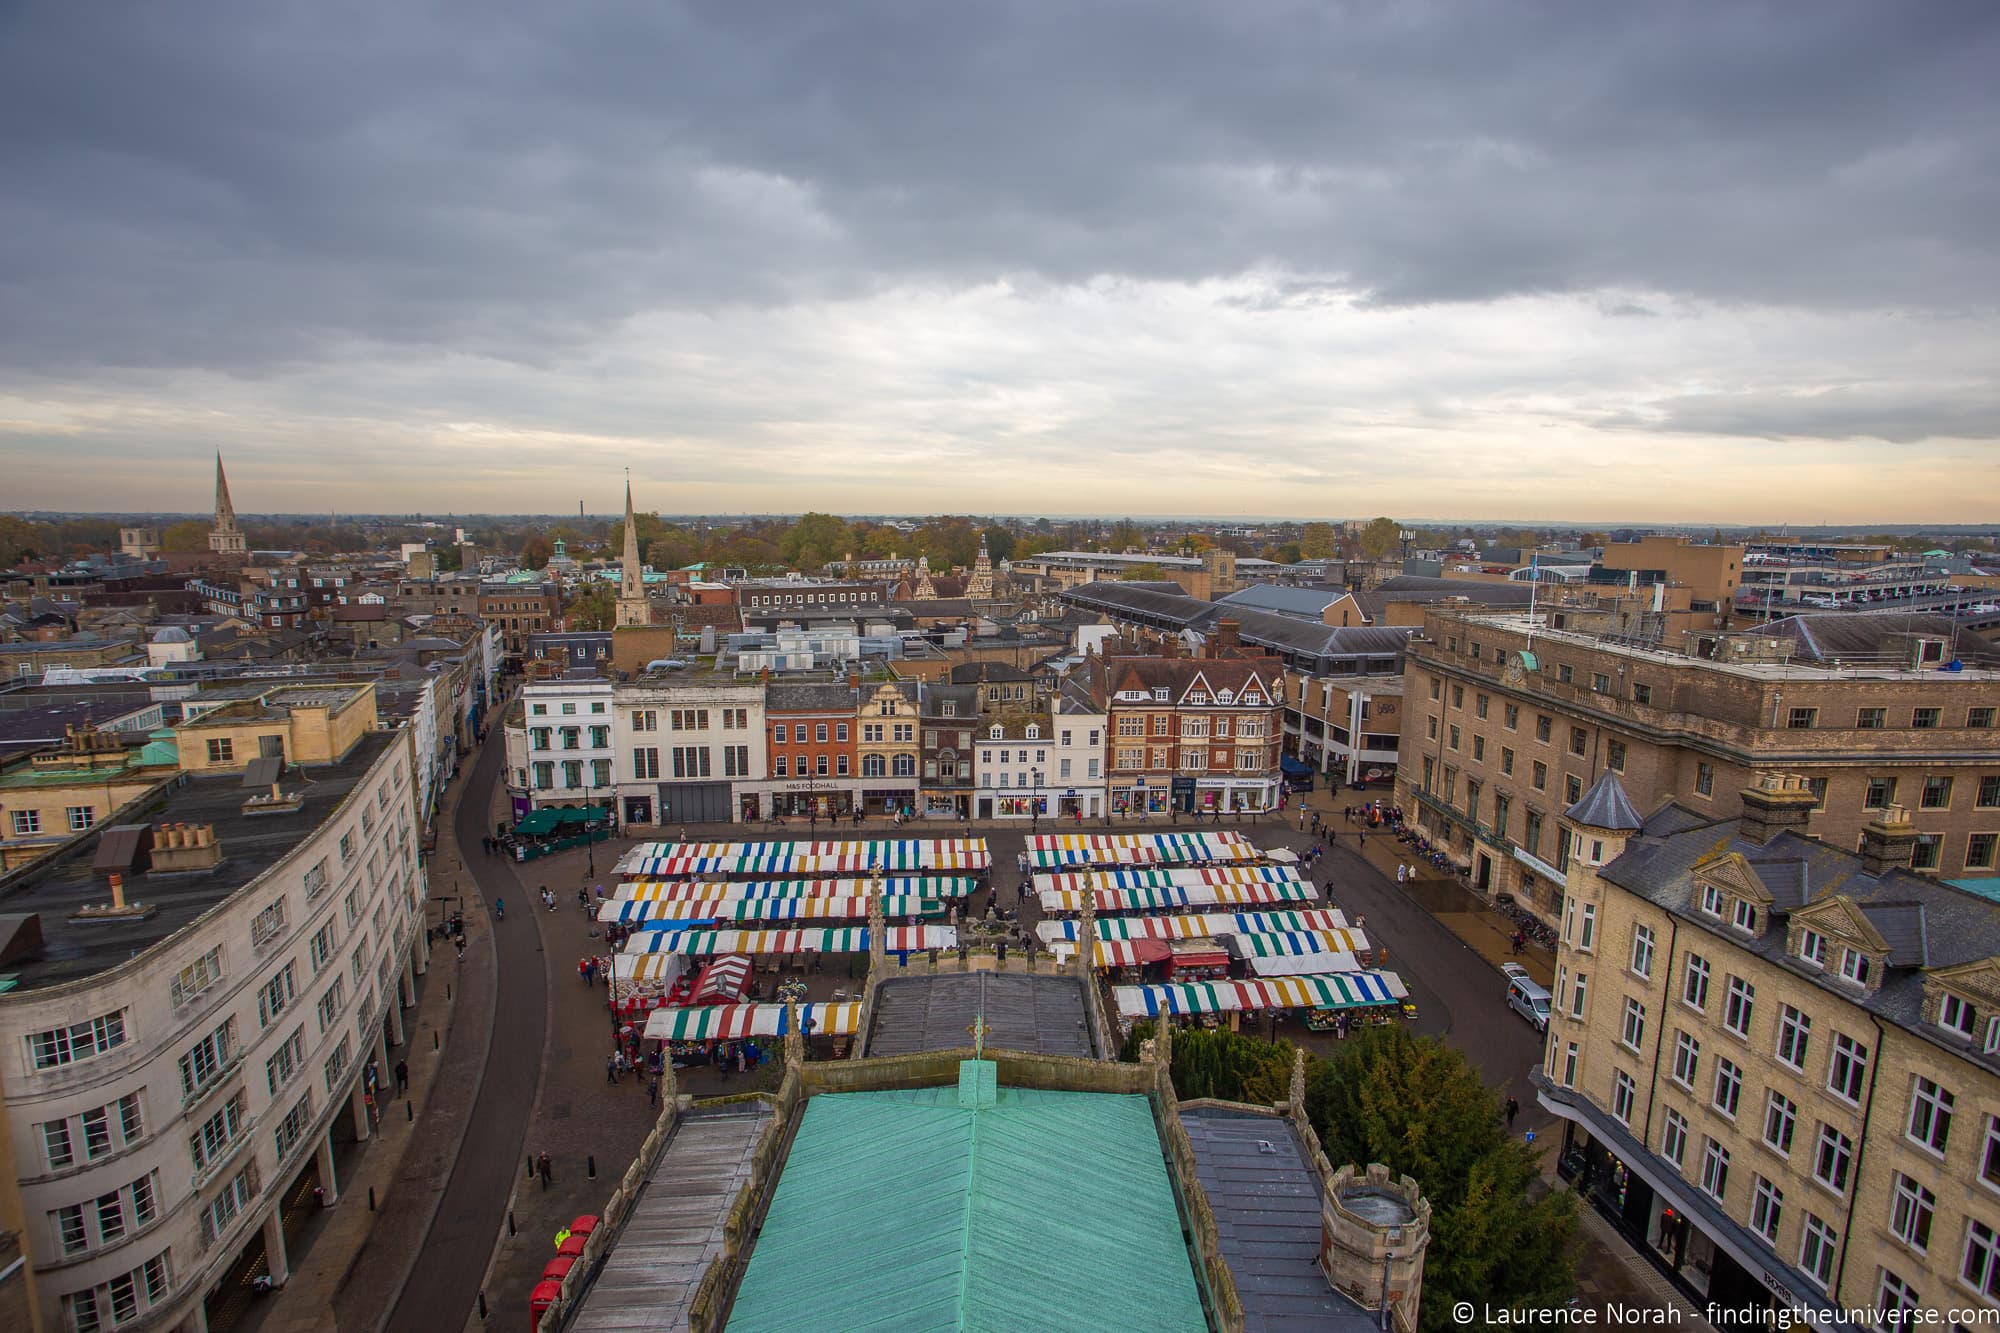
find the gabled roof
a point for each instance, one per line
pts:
(1606, 806)
(1731, 872)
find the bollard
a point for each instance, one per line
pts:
(590, 1164)
(531, 1166)
(371, 1198)
(447, 990)
(510, 1221)
(409, 1112)
(482, 1304)
(434, 1039)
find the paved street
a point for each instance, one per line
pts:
(446, 1276)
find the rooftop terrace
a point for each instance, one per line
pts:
(250, 845)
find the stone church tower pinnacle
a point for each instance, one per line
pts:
(225, 538)
(632, 608)
(981, 583)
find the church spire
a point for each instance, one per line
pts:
(633, 608)
(981, 583)
(225, 537)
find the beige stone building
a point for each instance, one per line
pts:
(1778, 1061)
(301, 724)
(888, 748)
(1506, 723)
(50, 799)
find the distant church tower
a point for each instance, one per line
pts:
(981, 583)
(225, 538)
(925, 591)
(633, 608)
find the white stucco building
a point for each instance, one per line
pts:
(170, 1079)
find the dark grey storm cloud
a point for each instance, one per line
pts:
(244, 187)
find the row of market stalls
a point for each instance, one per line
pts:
(919, 886)
(556, 829)
(688, 860)
(1050, 851)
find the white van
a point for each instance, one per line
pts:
(1528, 999)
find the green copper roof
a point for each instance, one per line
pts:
(937, 1208)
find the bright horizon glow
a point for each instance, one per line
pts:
(1698, 268)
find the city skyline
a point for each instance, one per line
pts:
(1688, 267)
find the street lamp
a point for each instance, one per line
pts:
(1035, 800)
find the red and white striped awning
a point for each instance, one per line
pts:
(723, 981)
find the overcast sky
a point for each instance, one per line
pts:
(1712, 261)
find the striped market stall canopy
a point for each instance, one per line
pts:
(1304, 964)
(1199, 924)
(1196, 895)
(662, 945)
(1053, 850)
(732, 1022)
(663, 914)
(1344, 990)
(683, 860)
(919, 886)
(723, 981)
(1075, 881)
(1118, 953)
(1294, 943)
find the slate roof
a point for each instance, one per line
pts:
(784, 697)
(1311, 603)
(675, 1228)
(1925, 923)
(1305, 644)
(1606, 806)
(1851, 635)
(911, 1210)
(1041, 1014)
(1266, 1202)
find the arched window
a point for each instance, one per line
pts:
(871, 766)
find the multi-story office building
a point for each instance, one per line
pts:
(200, 993)
(520, 609)
(569, 754)
(812, 594)
(684, 741)
(1191, 735)
(1348, 726)
(1506, 723)
(1777, 1060)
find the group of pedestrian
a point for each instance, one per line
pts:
(1310, 857)
(495, 847)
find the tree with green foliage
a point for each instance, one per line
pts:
(1318, 541)
(1146, 573)
(1214, 1062)
(595, 610)
(22, 540)
(673, 549)
(1417, 1106)
(1125, 536)
(999, 542)
(815, 539)
(184, 537)
(535, 552)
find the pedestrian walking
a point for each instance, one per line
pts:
(653, 1095)
(610, 1069)
(402, 1076)
(1513, 1109)
(542, 1169)
(1402, 873)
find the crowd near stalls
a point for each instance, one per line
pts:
(717, 939)
(1145, 905)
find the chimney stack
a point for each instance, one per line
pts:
(117, 891)
(1886, 841)
(1777, 803)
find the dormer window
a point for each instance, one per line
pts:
(1224, 696)
(950, 709)
(1854, 966)
(1711, 900)
(993, 733)
(1197, 698)
(1812, 948)
(1160, 693)
(1956, 1016)
(1034, 733)
(1746, 915)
